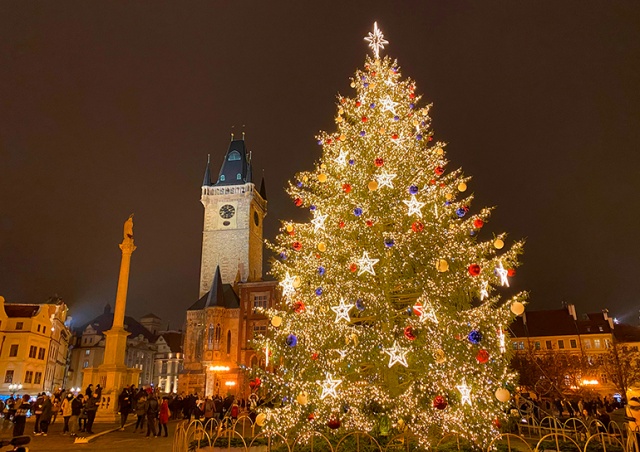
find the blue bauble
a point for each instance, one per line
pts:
(319, 291)
(362, 133)
(447, 203)
(320, 142)
(362, 77)
(461, 212)
(372, 106)
(321, 271)
(299, 184)
(352, 162)
(413, 189)
(419, 137)
(411, 105)
(283, 256)
(312, 207)
(359, 305)
(472, 233)
(365, 84)
(389, 242)
(474, 336)
(357, 211)
(292, 340)
(396, 118)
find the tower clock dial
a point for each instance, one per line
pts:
(227, 211)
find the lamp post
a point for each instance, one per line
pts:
(215, 370)
(15, 387)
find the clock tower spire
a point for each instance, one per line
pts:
(233, 215)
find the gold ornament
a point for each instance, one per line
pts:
(289, 228)
(342, 137)
(462, 187)
(261, 419)
(305, 178)
(517, 308)
(322, 177)
(499, 244)
(339, 119)
(503, 395)
(439, 151)
(296, 282)
(383, 130)
(448, 196)
(322, 247)
(442, 265)
(416, 122)
(439, 356)
(340, 111)
(353, 84)
(373, 185)
(303, 398)
(276, 321)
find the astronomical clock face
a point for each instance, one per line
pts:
(227, 211)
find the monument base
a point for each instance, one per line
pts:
(113, 378)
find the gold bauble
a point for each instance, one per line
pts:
(448, 196)
(353, 84)
(322, 177)
(372, 85)
(340, 111)
(517, 308)
(442, 265)
(289, 228)
(400, 424)
(416, 122)
(342, 137)
(276, 321)
(462, 187)
(503, 395)
(439, 356)
(339, 119)
(261, 419)
(499, 244)
(439, 151)
(303, 398)
(383, 130)
(373, 185)
(322, 247)
(296, 282)
(305, 178)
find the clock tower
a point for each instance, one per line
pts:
(233, 214)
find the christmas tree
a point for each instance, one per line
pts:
(390, 316)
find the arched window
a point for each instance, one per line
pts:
(228, 342)
(210, 337)
(239, 176)
(218, 332)
(233, 156)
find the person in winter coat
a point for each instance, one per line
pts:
(89, 391)
(165, 413)
(76, 410)
(36, 409)
(65, 407)
(45, 417)
(141, 412)
(124, 406)
(91, 408)
(20, 418)
(152, 414)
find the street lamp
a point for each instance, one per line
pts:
(15, 387)
(215, 370)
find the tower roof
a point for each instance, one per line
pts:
(236, 167)
(206, 181)
(220, 295)
(263, 189)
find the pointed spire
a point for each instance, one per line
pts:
(263, 188)
(216, 296)
(249, 166)
(206, 182)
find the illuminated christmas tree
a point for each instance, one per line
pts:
(390, 316)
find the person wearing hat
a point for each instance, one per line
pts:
(66, 412)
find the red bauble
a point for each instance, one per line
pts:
(379, 162)
(317, 255)
(342, 100)
(252, 384)
(311, 416)
(439, 170)
(412, 96)
(364, 119)
(369, 223)
(341, 224)
(298, 307)
(478, 223)
(496, 423)
(353, 267)
(440, 403)
(346, 188)
(394, 136)
(511, 272)
(417, 226)
(328, 141)
(373, 73)
(432, 181)
(408, 333)
(296, 246)
(474, 269)
(482, 356)
(358, 103)
(297, 202)
(314, 356)
(334, 424)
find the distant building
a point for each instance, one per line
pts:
(224, 319)
(168, 361)
(34, 345)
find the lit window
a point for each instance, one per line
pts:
(85, 364)
(597, 343)
(587, 343)
(8, 376)
(87, 352)
(38, 379)
(537, 345)
(259, 330)
(239, 176)
(222, 178)
(260, 300)
(560, 343)
(233, 156)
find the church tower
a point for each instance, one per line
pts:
(233, 219)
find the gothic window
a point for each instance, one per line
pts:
(218, 334)
(228, 342)
(199, 343)
(233, 156)
(222, 178)
(210, 337)
(239, 176)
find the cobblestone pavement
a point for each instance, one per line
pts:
(114, 441)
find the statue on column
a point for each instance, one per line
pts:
(128, 228)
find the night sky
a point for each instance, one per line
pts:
(108, 108)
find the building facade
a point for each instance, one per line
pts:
(221, 323)
(34, 344)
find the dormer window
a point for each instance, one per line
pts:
(222, 178)
(233, 156)
(239, 176)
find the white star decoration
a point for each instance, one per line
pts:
(287, 285)
(502, 273)
(388, 104)
(342, 311)
(484, 292)
(376, 40)
(397, 355)
(329, 387)
(341, 159)
(465, 393)
(428, 313)
(414, 206)
(365, 264)
(318, 221)
(385, 180)
(503, 348)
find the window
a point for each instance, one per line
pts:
(222, 178)
(521, 345)
(587, 343)
(19, 325)
(44, 329)
(597, 343)
(87, 352)
(600, 328)
(574, 343)
(8, 376)
(233, 156)
(228, 342)
(28, 376)
(210, 337)
(85, 364)
(561, 343)
(548, 345)
(537, 345)
(33, 351)
(260, 300)
(13, 351)
(607, 344)
(38, 328)
(41, 353)
(164, 367)
(261, 330)
(38, 378)
(239, 176)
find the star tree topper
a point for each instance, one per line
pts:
(342, 311)
(365, 264)
(397, 355)
(329, 387)
(376, 40)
